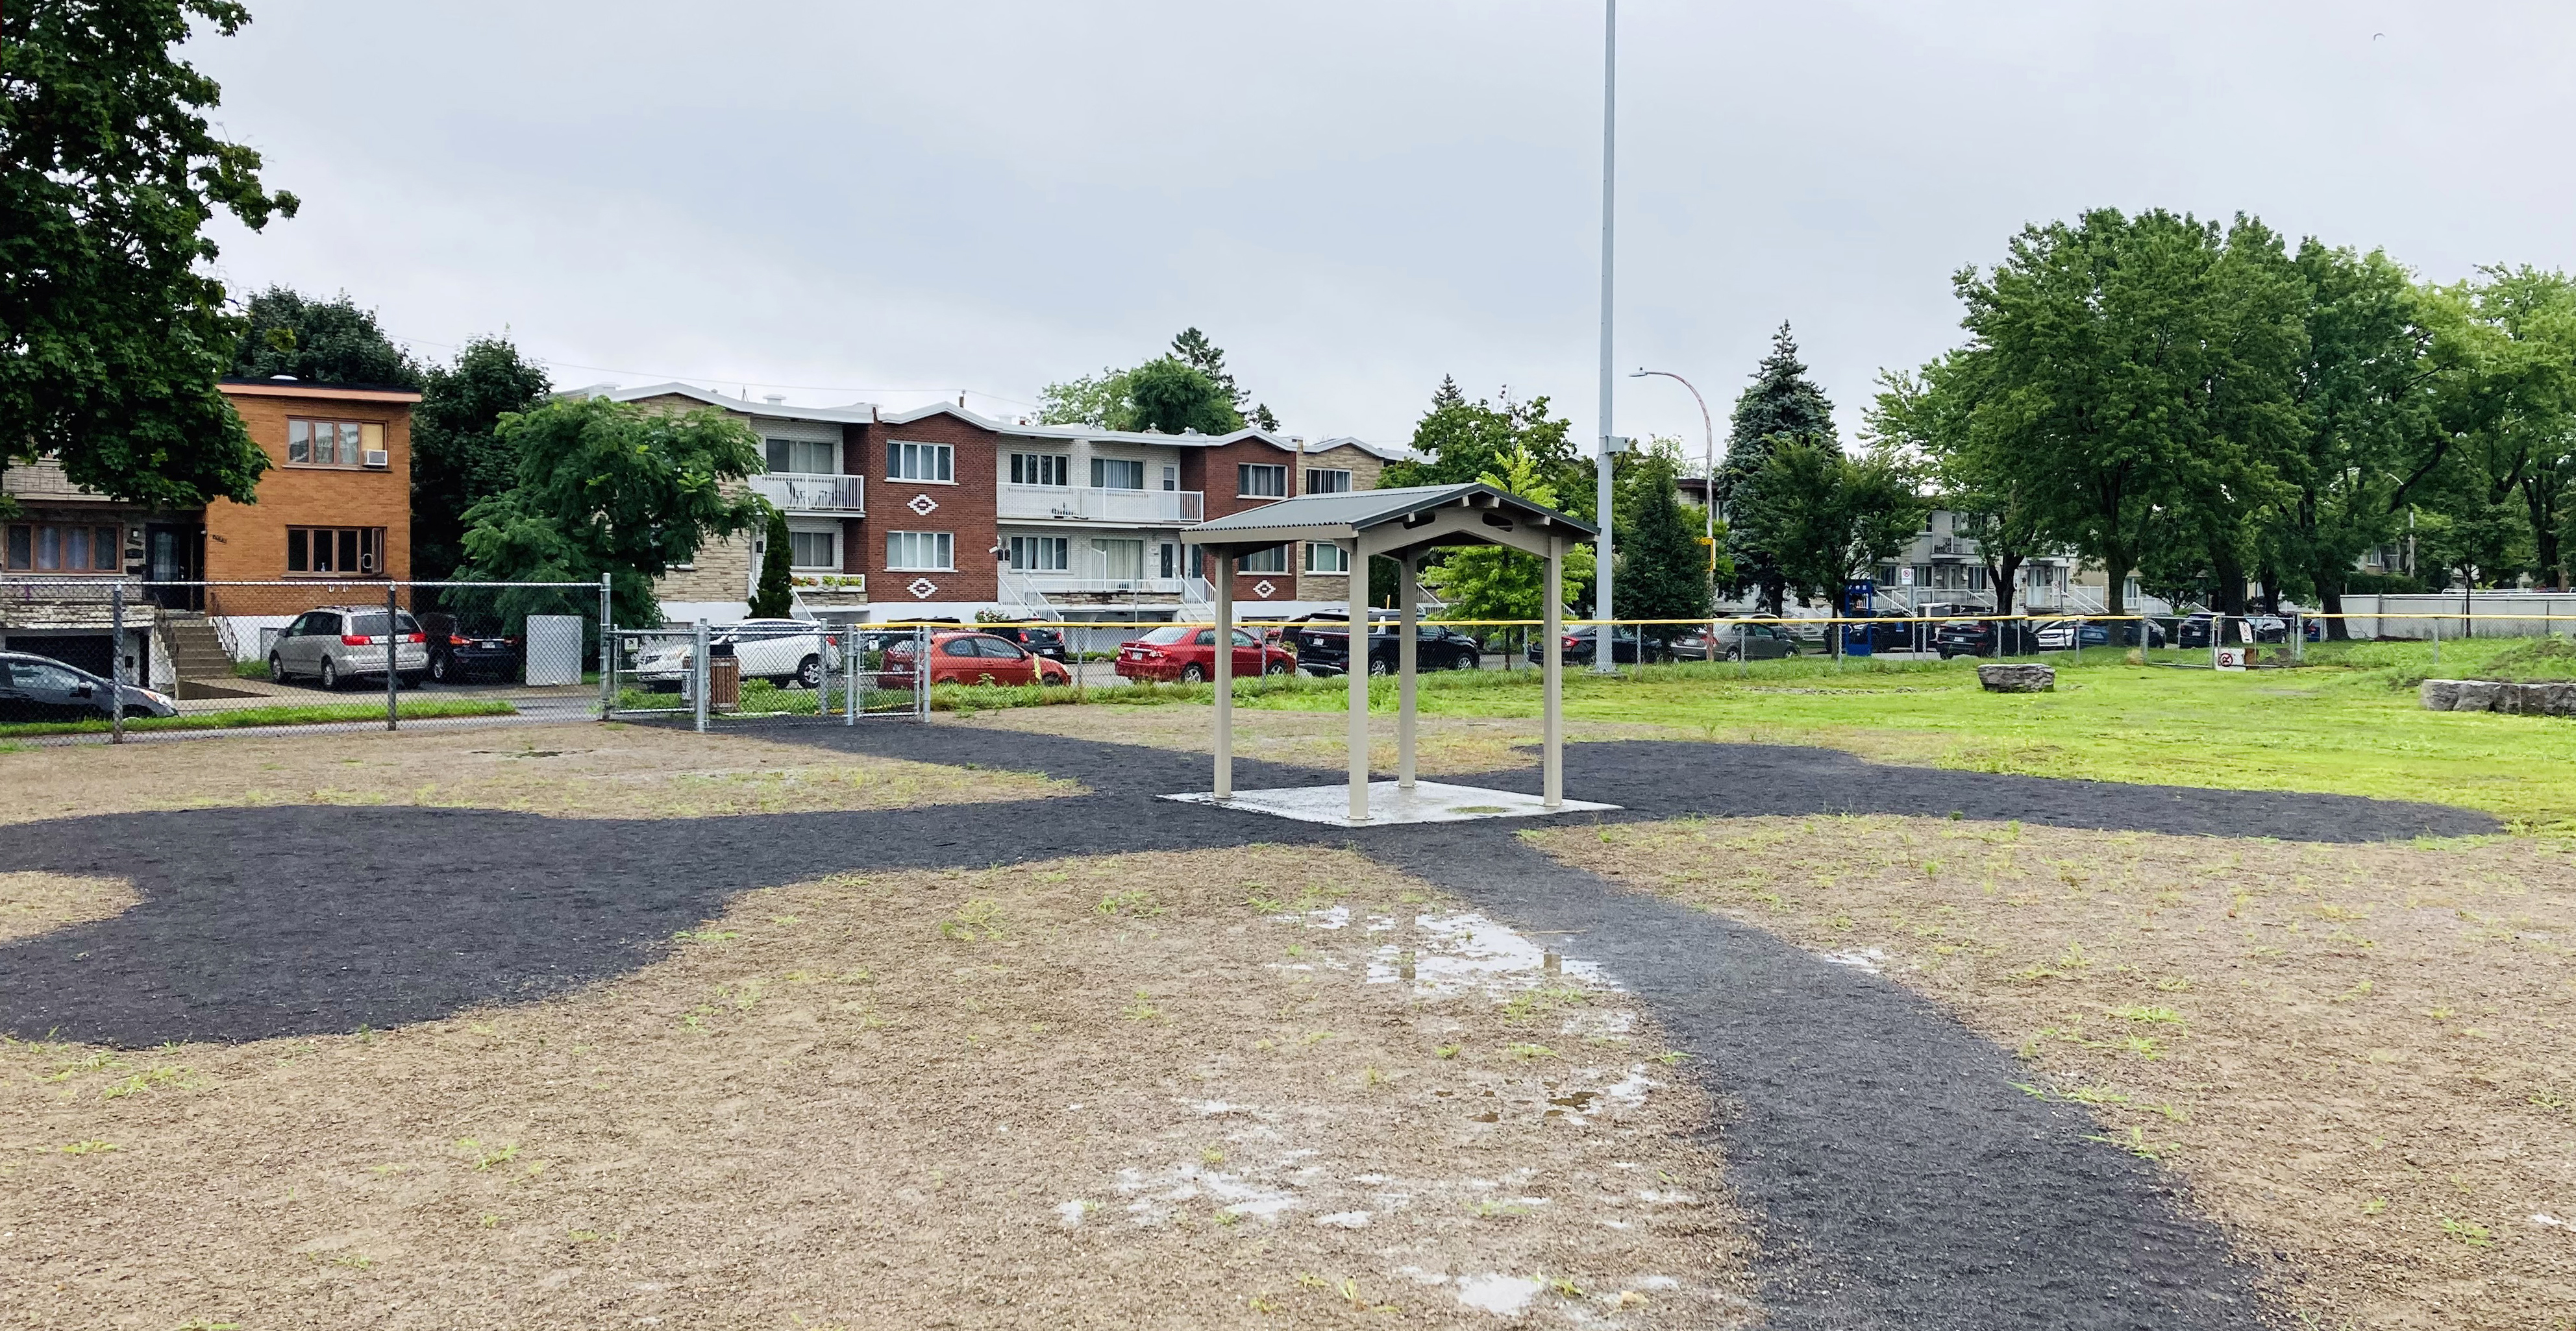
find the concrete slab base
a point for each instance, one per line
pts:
(1390, 804)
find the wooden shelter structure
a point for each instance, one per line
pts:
(1402, 525)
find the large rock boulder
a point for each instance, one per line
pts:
(2490, 695)
(2017, 678)
(2476, 695)
(2439, 695)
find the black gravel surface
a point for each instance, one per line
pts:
(1897, 1177)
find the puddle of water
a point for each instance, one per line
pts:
(1867, 958)
(1494, 1292)
(1345, 1219)
(1467, 951)
(1189, 1182)
(1070, 1214)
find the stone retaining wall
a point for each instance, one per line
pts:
(2487, 695)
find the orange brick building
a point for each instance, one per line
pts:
(336, 501)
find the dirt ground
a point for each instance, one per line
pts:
(1445, 745)
(2362, 1059)
(34, 903)
(1167, 1090)
(575, 770)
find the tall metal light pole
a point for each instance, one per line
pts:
(1605, 638)
(1710, 429)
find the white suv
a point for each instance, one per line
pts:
(782, 651)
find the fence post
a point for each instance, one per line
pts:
(393, 663)
(699, 675)
(921, 672)
(116, 662)
(607, 651)
(2298, 638)
(2437, 641)
(851, 660)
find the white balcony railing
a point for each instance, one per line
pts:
(813, 492)
(1096, 505)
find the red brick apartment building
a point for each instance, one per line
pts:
(939, 512)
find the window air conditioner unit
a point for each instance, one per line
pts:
(377, 457)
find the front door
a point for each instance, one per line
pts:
(175, 553)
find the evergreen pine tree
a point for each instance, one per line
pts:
(1447, 395)
(775, 597)
(1782, 404)
(1663, 570)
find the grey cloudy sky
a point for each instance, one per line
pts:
(895, 202)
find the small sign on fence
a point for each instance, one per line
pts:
(2234, 656)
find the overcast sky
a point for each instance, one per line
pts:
(881, 202)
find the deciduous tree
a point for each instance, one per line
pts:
(113, 330)
(609, 487)
(457, 457)
(319, 341)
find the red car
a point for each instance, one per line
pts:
(1188, 654)
(980, 658)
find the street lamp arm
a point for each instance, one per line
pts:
(1708, 496)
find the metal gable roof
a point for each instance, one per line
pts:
(1347, 513)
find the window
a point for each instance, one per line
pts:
(928, 551)
(1122, 561)
(803, 455)
(1326, 557)
(339, 551)
(814, 549)
(1040, 469)
(38, 547)
(1171, 478)
(1272, 560)
(1170, 559)
(920, 462)
(1117, 474)
(1328, 480)
(332, 443)
(1038, 554)
(1254, 480)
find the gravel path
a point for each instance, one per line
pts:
(1898, 1178)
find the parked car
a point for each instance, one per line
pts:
(781, 651)
(40, 688)
(458, 654)
(345, 642)
(1181, 652)
(978, 658)
(1582, 644)
(1048, 643)
(1985, 637)
(1326, 650)
(1883, 631)
(2057, 635)
(1736, 641)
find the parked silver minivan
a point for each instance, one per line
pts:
(344, 642)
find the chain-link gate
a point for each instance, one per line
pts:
(702, 673)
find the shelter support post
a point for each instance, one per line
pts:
(1407, 597)
(1552, 712)
(1357, 555)
(1224, 581)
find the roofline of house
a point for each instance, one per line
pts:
(297, 388)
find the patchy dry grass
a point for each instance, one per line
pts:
(1168, 1090)
(2361, 1058)
(581, 770)
(35, 903)
(1448, 745)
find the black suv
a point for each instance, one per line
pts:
(1323, 650)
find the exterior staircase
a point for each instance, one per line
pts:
(196, 651)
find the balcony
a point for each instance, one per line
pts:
(1082, 504)
(813, 492)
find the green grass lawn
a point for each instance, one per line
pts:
(2346, 722)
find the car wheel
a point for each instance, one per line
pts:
(1275, 668)
(1377, 668)
(1191, 674)
(276, 669)
(330, 674)
(442, 668)
(1734, 653)
(809, 672)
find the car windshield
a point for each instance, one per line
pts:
(373, 625)
(1165, 637)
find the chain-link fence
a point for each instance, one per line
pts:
(703, 674)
